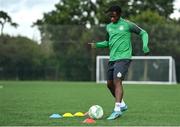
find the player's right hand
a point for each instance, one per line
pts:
(93, 45)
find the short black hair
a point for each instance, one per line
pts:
(115, 8)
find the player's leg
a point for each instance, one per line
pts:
(110, 83)
(118, 97)
(120, 69)
(111, 87)
(118, 93)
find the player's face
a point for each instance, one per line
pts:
(114, 16)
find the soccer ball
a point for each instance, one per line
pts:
(95, 112)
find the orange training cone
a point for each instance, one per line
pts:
(89, 120)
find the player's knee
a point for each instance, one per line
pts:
(118, 81)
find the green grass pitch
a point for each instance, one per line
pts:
(31, 103)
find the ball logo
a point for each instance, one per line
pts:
(119, 75)
(95, 112)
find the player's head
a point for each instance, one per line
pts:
(114, 13)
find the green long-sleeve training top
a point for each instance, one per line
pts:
(119, 39)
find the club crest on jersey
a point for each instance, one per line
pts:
(121, 27)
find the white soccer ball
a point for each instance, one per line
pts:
(95, 112)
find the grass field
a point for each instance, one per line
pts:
(31, 104)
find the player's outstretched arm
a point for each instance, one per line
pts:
(101, 44)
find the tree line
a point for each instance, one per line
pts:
(64, 54)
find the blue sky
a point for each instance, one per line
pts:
(25, 12)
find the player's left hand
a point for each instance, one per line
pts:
(147, 53)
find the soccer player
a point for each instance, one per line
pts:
(119, 43)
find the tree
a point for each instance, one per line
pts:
(163, 36)
(162, 7)
(148, 17)
(134, 7)
(5, 18)
(61, 27)
(21, 58)
(80, 12)
(69, 27)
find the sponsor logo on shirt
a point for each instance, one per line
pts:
(121, 27)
